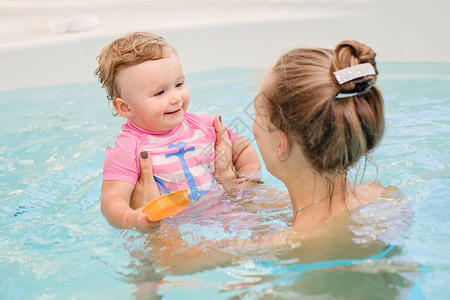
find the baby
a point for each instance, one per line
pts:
(144, 80)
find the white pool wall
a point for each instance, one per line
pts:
(211, 34)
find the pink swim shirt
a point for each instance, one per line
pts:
(183, 158)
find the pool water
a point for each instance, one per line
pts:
(55, 244)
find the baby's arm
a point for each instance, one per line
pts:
(115, 199)
(244, 156)
(119, 198)
(115, 206)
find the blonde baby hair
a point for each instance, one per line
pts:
(132, 49)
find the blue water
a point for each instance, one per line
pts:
(55, 244)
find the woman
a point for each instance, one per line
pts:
(317, 113)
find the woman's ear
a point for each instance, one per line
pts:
(122, 108)
(283, 145)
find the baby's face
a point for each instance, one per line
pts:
(155, 92)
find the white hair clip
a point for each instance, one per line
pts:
(357, 74)
(350, 73)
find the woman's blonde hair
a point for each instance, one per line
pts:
(132, 49)
(333, 133)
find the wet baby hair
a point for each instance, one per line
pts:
(132, 49)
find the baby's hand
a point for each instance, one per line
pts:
(138, 221)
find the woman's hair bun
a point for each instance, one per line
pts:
(351, 53)
(333, 133)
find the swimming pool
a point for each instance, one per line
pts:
(54, 242)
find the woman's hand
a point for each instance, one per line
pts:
(144, 191)
(223, 162)
(146, 188)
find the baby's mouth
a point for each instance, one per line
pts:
(172, 112)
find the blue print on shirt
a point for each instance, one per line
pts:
(195, 193)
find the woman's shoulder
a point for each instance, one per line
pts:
(388, 204)
(372, 191)
(387, 217)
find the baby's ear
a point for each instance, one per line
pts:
(122, 107)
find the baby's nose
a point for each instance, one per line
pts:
(175, 97)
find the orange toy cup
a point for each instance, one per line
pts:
(166, 205)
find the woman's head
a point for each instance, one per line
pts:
(130, 50)
(333, 133)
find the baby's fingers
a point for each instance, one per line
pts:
(143, 224)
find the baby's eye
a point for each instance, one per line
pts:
(159, 93)
(180, 84)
